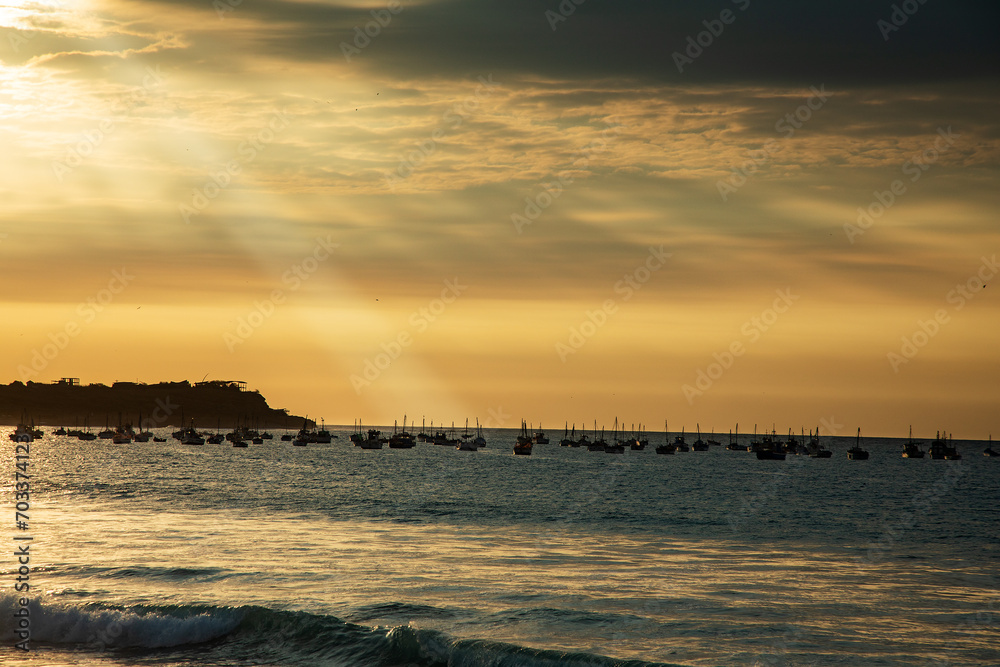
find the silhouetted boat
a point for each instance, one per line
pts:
(191, 437)
(540, 438)
(123, 435)
(815, 449)
(523, 444)
(107, 433)
(23, 433)
(856, 453)
(567, 440)
(479, 441)
(616, 446)
(373, 441)
(403, 439)
(680, 444)
(422, 436)
(989, 451)
(641, 441)
(144, 434)
(770, 449)
(734, 442)
(666, 447)
(941, 448)
(911, 448)
(699, 445)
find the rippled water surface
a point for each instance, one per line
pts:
(159, 553)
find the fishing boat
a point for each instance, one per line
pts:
(373, 441)
(540, 438)
(23, 433)
(699, 445)
(304, 436)
(734, 441)
(403, 439)
(911, 448)
(989, 451)
(680, 444)
(941, 448)
(144, 434)
(422, 436)
(711, 439)
(856, 453)
(771, 449)
(523, 444)
(770, 455)
(59, 431)
(466, 446)
(792, 445)
(617, 444)
(122, 435)
(567, 440)
(815, 449)
(357, 436)
(323, 436)
(479, 441)
(189, 436)
(218, 437)
(107, 433)
(666, 447)
(642, 441)
(446, 439)
(951, 452)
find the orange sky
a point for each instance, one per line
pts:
(281, 215)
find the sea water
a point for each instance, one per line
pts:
(166, 554)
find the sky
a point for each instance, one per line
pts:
(736, 211)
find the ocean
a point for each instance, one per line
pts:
(166, 554)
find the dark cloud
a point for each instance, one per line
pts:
(838, 42)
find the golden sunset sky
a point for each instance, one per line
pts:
(511, 210)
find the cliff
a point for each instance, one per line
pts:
(67, 403)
